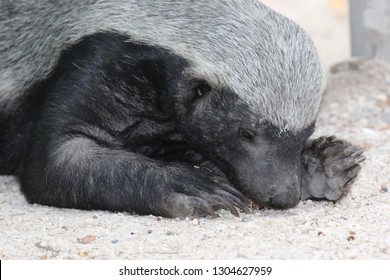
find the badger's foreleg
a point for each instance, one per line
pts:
(78, 172)
(330, 166)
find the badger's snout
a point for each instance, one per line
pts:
(275, 186)
(277, 197)
(286, 198)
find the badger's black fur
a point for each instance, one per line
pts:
(148, 126)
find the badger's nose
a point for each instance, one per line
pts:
(286, 198)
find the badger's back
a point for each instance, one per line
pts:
(243, 45)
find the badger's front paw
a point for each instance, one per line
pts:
(199, 192)
(330, 166)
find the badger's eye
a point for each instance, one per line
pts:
(201, 90)
(247, 135)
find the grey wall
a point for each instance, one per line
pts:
(370, 28)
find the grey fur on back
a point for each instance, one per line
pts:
(268, 60)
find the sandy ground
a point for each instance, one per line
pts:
(356, 107)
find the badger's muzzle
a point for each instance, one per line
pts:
(287, 197)
(273, 181)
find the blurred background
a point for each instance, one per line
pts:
(327, 21)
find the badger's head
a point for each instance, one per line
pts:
(249, 100)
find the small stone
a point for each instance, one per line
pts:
(81, 252)
(87, 239)
(114, 241)
(351, 238)
(384, 188)
(149, 231)
(309, 202)
(45, 246)
(195, 222)
(42, 245)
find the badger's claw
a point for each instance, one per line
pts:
(330, 166)
(201, 194)
(196, 206)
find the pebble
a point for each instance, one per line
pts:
(81, 252)
(384, 188)
(114, 241)
(309, 202)
(87, 239)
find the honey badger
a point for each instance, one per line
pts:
(171, 108)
